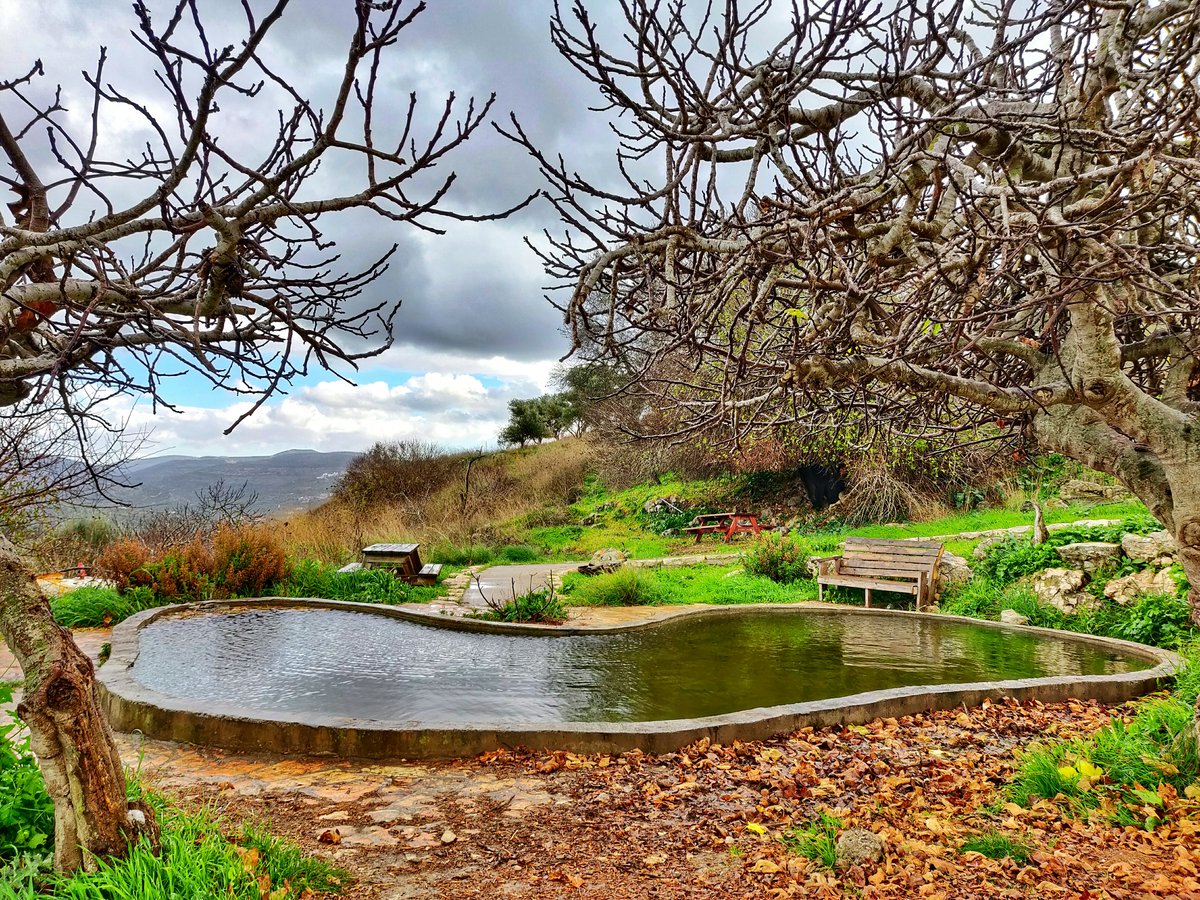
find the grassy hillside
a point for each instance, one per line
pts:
(547, 503)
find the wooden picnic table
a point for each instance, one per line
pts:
(403, 559)
(726, 523)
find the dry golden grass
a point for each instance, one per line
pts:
(507, 488)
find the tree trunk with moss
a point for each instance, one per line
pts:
(68, 731)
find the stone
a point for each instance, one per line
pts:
(1077, 491)
(1147, 547)
(858, 846)
(953, 570)
(1090, 556)
(661, 504)
(1062, 589)
(1125, 591)
(607, 560)
(1012, 617)
(449, 837)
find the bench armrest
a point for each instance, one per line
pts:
(826, 565)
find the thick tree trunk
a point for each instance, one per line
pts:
(68, 731)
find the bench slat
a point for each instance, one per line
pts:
(894, 542)
(884, 554)
(878, 584)
(884, 565)
(887, 553)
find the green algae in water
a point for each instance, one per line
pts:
(355, 665)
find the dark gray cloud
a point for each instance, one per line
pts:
(478, 288)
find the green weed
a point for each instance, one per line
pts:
(817, 840)
(539, 607)
(997, 845)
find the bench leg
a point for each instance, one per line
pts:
(820, 592)
(867, 602)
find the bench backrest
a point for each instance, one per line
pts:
(880, 557)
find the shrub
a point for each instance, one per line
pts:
(183, 573)
(1014, 557)
(1159, 619)
(26, 812)
(122, 563)
(246, 560)
(539, 607)
(782, 559)
(91, 532)
(627, 586)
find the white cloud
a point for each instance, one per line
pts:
(453, 409)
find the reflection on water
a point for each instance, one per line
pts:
(371, 667)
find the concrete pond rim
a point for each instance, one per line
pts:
(132, 707)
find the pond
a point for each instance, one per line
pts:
(284, 661)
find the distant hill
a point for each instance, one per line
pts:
(293, 479)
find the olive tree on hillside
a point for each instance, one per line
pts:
(198, 246)
(925, 219)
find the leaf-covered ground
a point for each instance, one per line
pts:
(710, 822)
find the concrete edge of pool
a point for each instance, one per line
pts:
(134, 708)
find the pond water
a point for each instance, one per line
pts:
(342, 663)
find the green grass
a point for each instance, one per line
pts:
(817, 840)
(1129, 773)
(677, 585)
(997, 845)
(197, 862)
(92, 607)
(310, 578)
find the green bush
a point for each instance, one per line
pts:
(26, 813)
(1159, 619)
(781, 558)
(627, 586)
(1014, 557)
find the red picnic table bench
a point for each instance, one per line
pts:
(726, 523)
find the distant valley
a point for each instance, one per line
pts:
(293, 479)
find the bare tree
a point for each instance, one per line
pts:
(195, 253)
(215, 505)
(48, 457)
(939, 219)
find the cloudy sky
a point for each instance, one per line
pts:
(474, 329)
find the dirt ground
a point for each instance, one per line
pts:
(707, 822)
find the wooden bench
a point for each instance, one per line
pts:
(404, 560)
(726, 523)
(878, 564)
